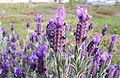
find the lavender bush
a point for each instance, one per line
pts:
(50, 54)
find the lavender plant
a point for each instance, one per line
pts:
(50, 54)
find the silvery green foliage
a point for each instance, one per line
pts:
(35, 58)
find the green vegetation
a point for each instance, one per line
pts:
(20, 13)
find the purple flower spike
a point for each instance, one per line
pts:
(104, 31)
(13, 38)
(70, 28)
(14, 63)
(66, 28)
(4, 32)
(19, 72)
(112, 44)
(25, 58)
(12, 25)
(114, 37)
(39, 24)
(41, 59)
(13, 46)
(28, 24)
(6, 66)
(91, 25)
(18, 36)
(96, 38)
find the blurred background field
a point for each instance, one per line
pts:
(20, 13)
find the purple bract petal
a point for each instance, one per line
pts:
(96, 38)
(114, 37)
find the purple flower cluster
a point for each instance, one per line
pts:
(56, 31)
(93, 46)
(39, 24)
(112, 44)
(37, 58)
(82, 27)
(104, 31)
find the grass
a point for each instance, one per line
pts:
(19, 13)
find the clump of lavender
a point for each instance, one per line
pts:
(82, 27)
(39, 60)
(39, 24)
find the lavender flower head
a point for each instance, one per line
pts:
(91, 25)
(19, 73)
(13, 46)
(13, 38)
(104, 31)
(34, 38)
(6, 66)
(39, 24)
(41, 59)
(66, 28)
(12, 25)
(70, 28)
(28, 24)
(93, 45)
(112, 44)
(4, 32)
(82, 27)
(18, 36)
